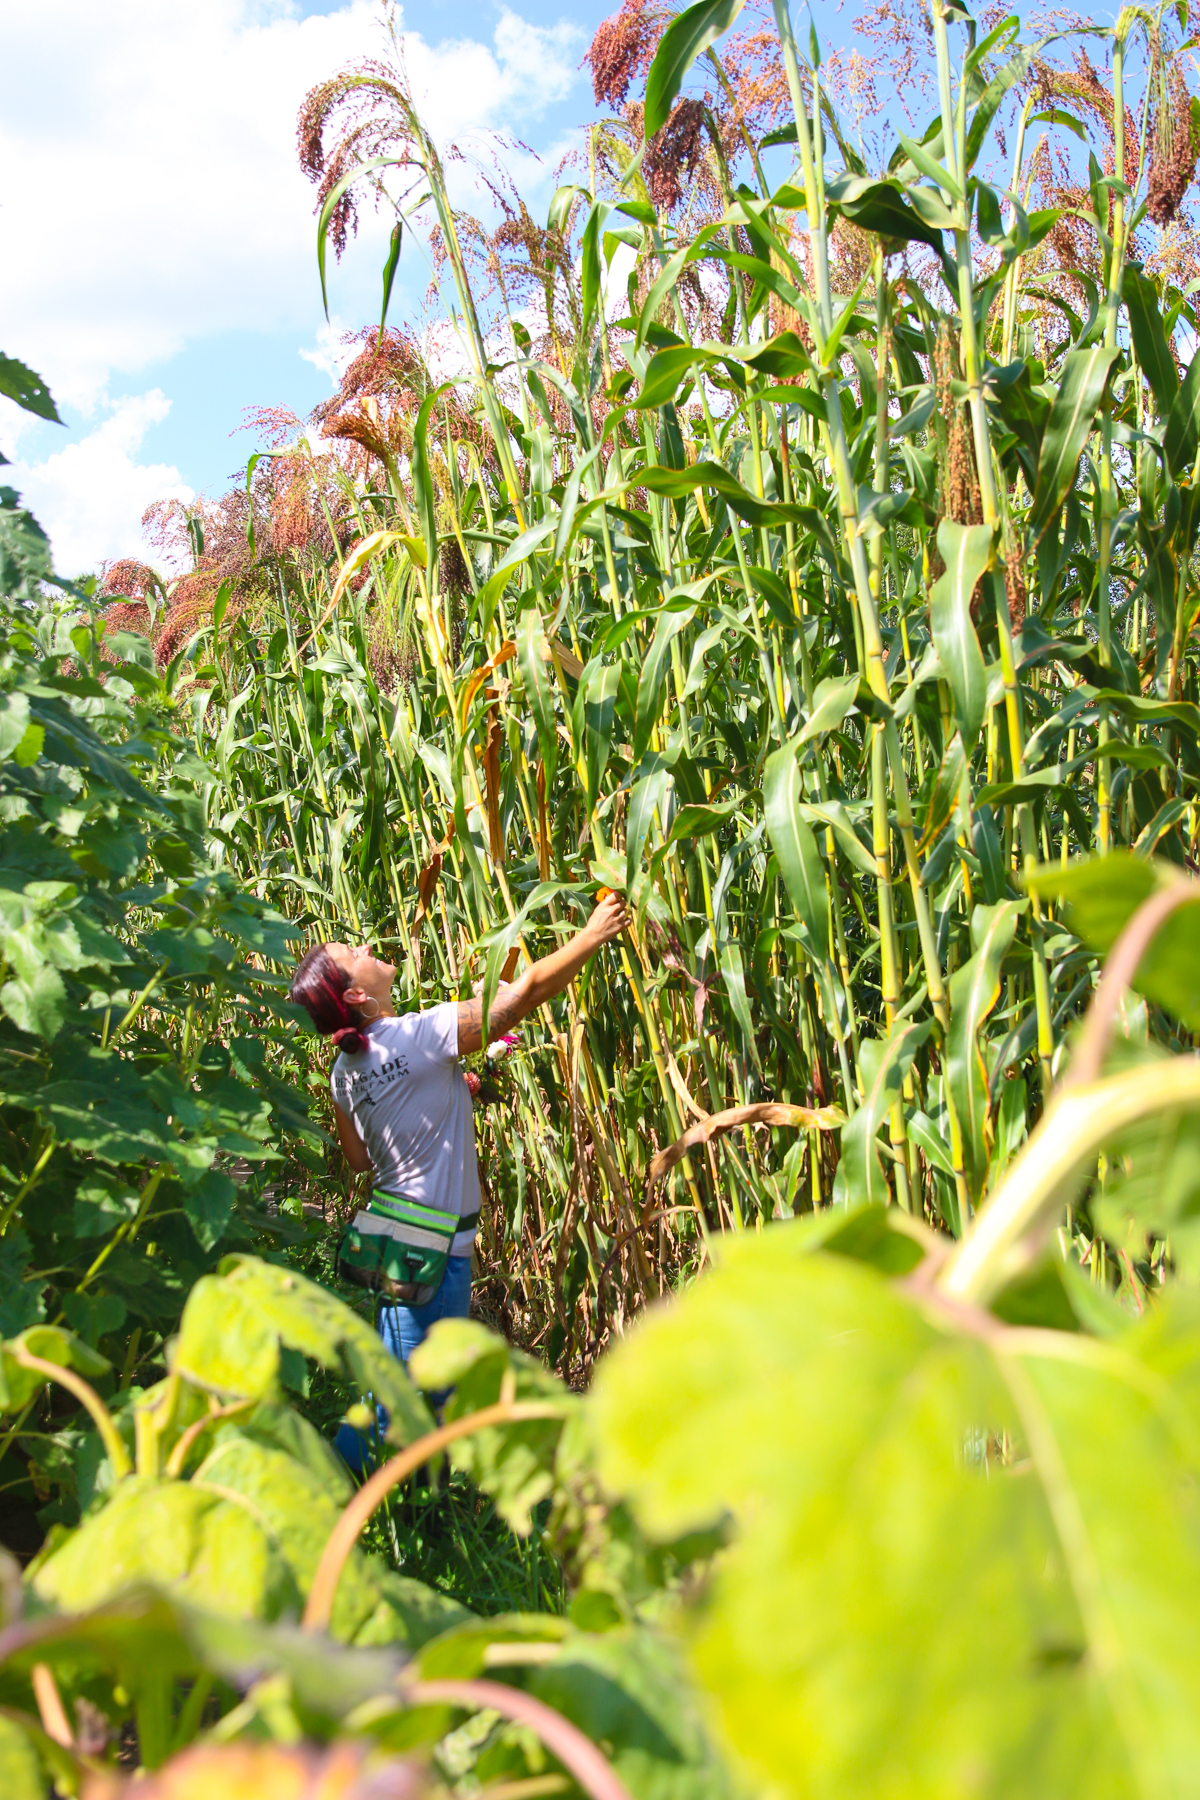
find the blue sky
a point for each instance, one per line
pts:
(157, 240)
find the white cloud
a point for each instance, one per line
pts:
(328, 352)
(90, 496)
(152, 198)
(152, 193)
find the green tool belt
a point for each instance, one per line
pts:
(399, 1248)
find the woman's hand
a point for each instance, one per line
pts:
(542, 980)
(608, 920)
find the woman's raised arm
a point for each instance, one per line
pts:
(541, 980)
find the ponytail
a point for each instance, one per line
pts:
(320, 987)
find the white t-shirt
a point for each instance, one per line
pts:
(412, 1108)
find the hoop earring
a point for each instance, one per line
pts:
(369, 1018)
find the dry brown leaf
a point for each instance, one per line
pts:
(763, 1112)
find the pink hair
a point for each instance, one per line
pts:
(320, 987)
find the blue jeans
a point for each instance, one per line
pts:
(402, 1328)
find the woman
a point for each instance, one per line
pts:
(403, 1111)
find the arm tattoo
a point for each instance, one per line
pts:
(506, 1011)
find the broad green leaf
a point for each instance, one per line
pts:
(19, 383)
(678, 483)
(50, 1343)
(531, 655)
(888, 1566)
(513, 1464)
(391, 264)
(299, 1510)
(733, 975)
(832, 700)
(517, 553)
(652, 679)
(36, 1002)
(794, 844)
(879, 207)
(595, 707)
(929, 166)
(152, 1633)
(325, 216)
(570, 503)
(630, 1690)
(423, 480)
(664, 372)
(235, 1322)
(591, 275)
(1181, 433)
(20, 1768)
(700, 820)
(14, 724)
(686, 37)
(833, 814)
(999, 84)
(1072, 415)
(1100, 896)
(177, 1536)
(645, 799)
(1149, 338)
(21, 1302)
(966, 551)
(974, 991)
(883, 1064)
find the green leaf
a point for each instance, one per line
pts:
(733, 974)
(1100, 895)
(629, 1689)
(595, 707)
(794, 844)
(175, 1535)
(888, 1567)
(645, 799)
(331, 199)
(652, 679)
(929, 166)
(966, 551)
(1006, 77)
(1072, 415)
(513, 1464)
(35, 1002)
(20, 1769)
(883, 1064)
(591, 274)
(1181, 433)
(833, 814)
(20, 1298)
(389, 272)
(700, 820)
(20, 383)
(208, 1204)
(299, 1510)
(423, 480)
(50, 1343)
(1149, 338)
(974, 991)
(235, 1322)
(678, 483)
(570, 504)
(833, 698)
(664, 372)
(879, 207)
(686, 38)
(531, 644)
(14, 723)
